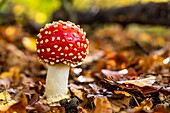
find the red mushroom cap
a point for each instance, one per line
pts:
(62, 42)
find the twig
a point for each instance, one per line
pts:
(135, 100)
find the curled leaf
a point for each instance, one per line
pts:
(141, 82)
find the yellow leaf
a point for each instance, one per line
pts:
(122, 92)
(6, 101)
(6, 74)
(29, 43)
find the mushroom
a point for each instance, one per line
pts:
(60, 45)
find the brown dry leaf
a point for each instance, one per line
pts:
(78, 93)
(102, 105)
(141, 82)
(19, 107)
(160, 109)
(118, 104)
(82, 110)
(41, 108)
(125, 74)
(149, 89)
(145, 105)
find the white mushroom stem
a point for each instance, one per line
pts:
(57, 82)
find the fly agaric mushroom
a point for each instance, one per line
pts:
(60, 45)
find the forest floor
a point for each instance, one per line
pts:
(127, 71)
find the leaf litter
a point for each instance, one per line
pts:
(125, 72)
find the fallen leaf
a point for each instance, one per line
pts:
(6, 101)
(124, 74)
(19, 107)
(122, 100)
(160, 109)
(41, 107)
(102, 105)
(78, 93)
(145, 105)
(141, 82)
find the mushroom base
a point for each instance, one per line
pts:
(56, 83)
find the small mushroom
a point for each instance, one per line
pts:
(60, 45)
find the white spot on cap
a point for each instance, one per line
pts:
(52, 63)
(85, 45)
(48, 49)
(39, 35)
(70, 45)
(42, 50)
(46, 40)
(59, 49)
(38, 51)
(53, 38)
(63, 40)
(74, 57)
(56, 30)
(87, 41)
(64, 27)
(41, 42)
(65, 34)
(74, 34)
(53, 53)
(79, 56)
(47, 25)
(58, 38)
(55, 46)
(75, 49)
(70, 54)
(57, 60)
(70, 38)
(78, 44)
(66, 48)
(46, 32)
(55, 26)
